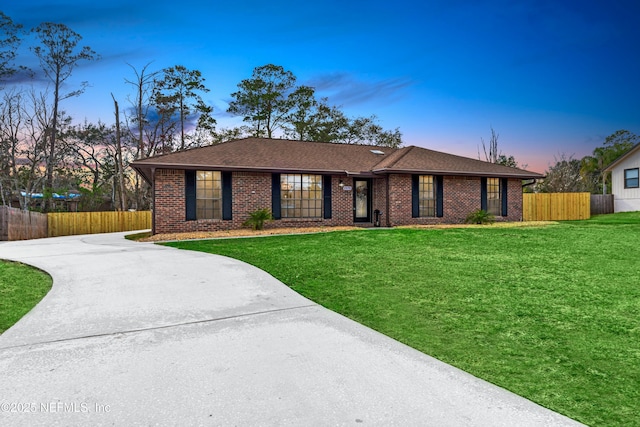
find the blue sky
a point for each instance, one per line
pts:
(551, 77)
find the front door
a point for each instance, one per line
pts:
(362, 200)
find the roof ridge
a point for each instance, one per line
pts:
(353, 144)
(394, 161)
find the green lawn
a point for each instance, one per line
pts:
(551, 313)
(21, 288)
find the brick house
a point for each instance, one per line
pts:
(311, 184)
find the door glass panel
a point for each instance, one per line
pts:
(362, 202)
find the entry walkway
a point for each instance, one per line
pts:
(140, 334)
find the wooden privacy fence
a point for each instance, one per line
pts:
(16, 224)
(601, 204)
(556, 206)
(70, 223)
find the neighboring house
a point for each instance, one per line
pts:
(625, 181)
(307, 184)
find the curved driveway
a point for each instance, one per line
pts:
(140, 334)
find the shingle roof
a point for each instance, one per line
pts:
(281, 155)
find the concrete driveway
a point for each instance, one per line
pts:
(140, 334)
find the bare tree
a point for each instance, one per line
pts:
(492, 155)
(91, 161)
(58, 57)
(119, 161)
(11, 122)
(141, 103)
(495, 155)
(24, 118)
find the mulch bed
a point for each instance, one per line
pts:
(306, 230)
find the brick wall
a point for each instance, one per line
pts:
(380, 200)
(514, 197)
(169, 201)
(341, 201)
(399, 200)
(461, 196)
(252, 191)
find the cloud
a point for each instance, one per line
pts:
(345, 89)
(23, 77)
(77, 14)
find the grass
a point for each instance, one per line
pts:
(551, 313)
(21, 288)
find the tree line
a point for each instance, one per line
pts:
(43, 152)
(587, 174)
(567, 174)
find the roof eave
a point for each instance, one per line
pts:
(459, 173)
(142, 171)
(138, 166)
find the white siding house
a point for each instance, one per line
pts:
(625, 181)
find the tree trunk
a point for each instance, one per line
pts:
(120, 167)
(48, 193)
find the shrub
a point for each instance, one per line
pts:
(257, 219)
(480, 217)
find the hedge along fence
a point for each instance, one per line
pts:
(556, 206)
(71, 223)
(16, 224)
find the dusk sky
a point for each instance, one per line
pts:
(551, 77)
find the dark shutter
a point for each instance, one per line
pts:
(483, 194)
(190, 194)
(326, 188)
(415, 196)
(439, 196)
(227, 198)
(275, 196)
(505, 183)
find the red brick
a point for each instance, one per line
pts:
(252, 191)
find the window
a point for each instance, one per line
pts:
(427, 195)
(208, 195)
(631, 178)
(301, 196)
(494, 200)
